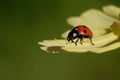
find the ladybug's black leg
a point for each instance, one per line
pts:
(81, 40)
(91, 41)
(76, 42)
(70, 40)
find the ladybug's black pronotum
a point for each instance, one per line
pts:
(80, 32)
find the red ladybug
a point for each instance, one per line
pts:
(80, 32)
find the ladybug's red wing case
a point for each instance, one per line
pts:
(84, 31)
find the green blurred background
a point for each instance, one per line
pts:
(23, 23)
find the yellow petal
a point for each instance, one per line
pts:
(105, 39)
(93, 19)
(53, 43)
(107, 48)
(76, 49)
(112, 10)
(96, 20)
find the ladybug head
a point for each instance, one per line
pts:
(71, 36)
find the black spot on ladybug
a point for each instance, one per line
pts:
(84, 26)
(85, 31)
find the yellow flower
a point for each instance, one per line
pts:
(105, 26)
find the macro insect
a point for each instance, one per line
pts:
(79, 33)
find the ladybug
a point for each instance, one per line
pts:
(80, 32)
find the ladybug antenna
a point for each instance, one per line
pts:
(66, 41)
